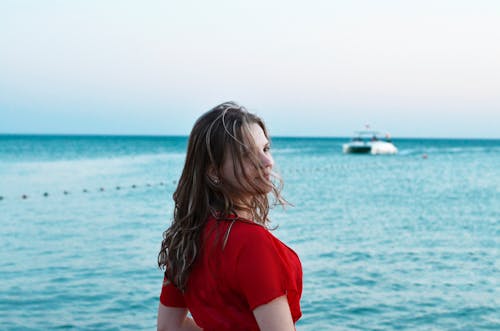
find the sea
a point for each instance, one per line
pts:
(403, 242)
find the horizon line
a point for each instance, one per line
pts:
(138, 135)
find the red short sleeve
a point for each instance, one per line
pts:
(260, 269)
(170, 295)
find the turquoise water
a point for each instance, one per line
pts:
(387, 242)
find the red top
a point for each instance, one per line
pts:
(226, 284)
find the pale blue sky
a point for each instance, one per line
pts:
(426, 68)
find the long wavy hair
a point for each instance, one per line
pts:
(220, 132)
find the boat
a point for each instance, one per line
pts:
(369, 142)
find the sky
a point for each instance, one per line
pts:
(427, 68)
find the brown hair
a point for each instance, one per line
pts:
(220, 131)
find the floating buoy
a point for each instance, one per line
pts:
(102, 189)
(424, 156)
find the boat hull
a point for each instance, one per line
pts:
(383, 148)
(350, 149)
(374, 148)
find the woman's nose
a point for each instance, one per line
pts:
(266, 161)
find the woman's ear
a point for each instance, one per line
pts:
(212, 174)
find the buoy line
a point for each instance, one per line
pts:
(100, 189)
(303, 170)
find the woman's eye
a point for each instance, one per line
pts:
(267, 148)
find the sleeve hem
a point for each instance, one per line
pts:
(171, 304)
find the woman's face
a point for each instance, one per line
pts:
(263, 153)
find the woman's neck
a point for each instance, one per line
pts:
(246, 214)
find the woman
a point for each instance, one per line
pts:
(221, 262)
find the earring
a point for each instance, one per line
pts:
(215, 180)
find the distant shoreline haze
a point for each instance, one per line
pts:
(83, 135)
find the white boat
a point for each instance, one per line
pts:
(369, 142)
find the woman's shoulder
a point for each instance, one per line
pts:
(241, 233)
(244, 236)
(249, 231)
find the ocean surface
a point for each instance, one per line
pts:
(403, 242)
